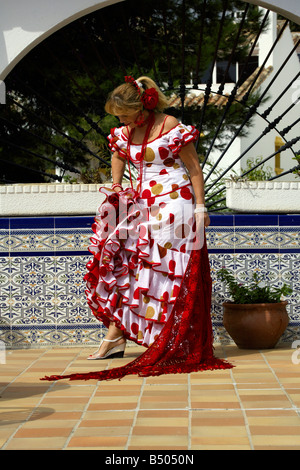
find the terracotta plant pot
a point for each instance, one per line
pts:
(255, 326)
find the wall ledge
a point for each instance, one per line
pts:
(23, 200)
(49, 188)
(263, 196)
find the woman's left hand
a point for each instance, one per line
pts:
(206, 219)
(202, 220)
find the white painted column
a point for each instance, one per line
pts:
(266, 41)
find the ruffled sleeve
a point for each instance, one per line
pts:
(180, 136)
(117, 142)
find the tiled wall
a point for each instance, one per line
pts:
(43, 260)
(266, 243)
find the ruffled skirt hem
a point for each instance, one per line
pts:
(131, 281)
(185, 344)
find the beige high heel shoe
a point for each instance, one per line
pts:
(117, 351)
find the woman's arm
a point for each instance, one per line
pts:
(117, 169)
(190, 159)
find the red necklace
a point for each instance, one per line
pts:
(140, 158)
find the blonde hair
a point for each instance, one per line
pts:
(125, 98)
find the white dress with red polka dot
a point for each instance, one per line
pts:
(136, 273)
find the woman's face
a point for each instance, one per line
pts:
(128, 119)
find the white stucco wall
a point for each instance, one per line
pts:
(24, 24)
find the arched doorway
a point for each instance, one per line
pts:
(218, 90)
(24, 28)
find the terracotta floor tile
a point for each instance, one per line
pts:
(274, 421)
(257, 386)
(118, 387)
(111, 406)
(14, 391)
(162, 405)
(43, 432)
(218, 441)
(266, 398)
(72, 392)
(215, 404)
(217, 421)
(211, 381)
(64, 407)
(65, 400)
(121, 448)
(164, 394)
(165, 387)
(109, 415)
(162, 413)
(219, 431)
(151, 413)
(114, 399)
(265, 404)
(41, 414)
(279, 430)
(266, 440)
(211, 386)
(98, 441)
(102, 431)
(39, 443)
(14, 414)
(117, 393)
(296, 399)
(59, 423)
(157, 447)
(213, 395)
(168, 379)
(220, 447)
(86, 423)
(276, 447)
(162, 441)
(164, 399)
(160, 430)
(155, 421)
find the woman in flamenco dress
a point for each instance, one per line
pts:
(149, 279)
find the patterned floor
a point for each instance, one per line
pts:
(254, 406)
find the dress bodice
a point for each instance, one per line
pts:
(161, 171)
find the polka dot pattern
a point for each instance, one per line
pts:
(138, 278)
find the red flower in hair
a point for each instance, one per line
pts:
(130, 79)
(150, 98)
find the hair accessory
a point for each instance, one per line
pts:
(149, 97)
(130, 79)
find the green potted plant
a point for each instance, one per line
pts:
(256, 317)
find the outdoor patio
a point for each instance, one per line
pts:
(233, 72)
(254, 406)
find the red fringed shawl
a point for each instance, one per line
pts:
(186, 342)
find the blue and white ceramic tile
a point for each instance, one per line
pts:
(42, 264)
